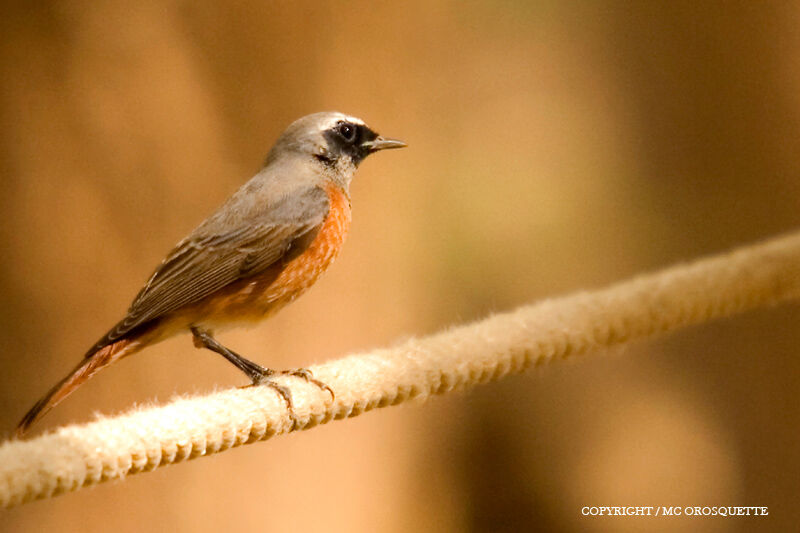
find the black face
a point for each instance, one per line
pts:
(347, 138)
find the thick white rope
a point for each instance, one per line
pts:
(111, 448)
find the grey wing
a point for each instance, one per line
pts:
(207, 261)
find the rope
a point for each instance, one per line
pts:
(110, 448)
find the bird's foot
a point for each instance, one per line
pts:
(306, 374)
(266, 376)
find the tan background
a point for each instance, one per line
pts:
(554, 146)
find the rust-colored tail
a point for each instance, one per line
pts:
(90, 365)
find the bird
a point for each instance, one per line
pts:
(265, 246)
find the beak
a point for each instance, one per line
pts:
(379, 143)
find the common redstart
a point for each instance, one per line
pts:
(263, 248)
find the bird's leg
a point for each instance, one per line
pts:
(257, 373)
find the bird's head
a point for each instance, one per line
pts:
(332, 139)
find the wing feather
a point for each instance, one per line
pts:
(209, 260)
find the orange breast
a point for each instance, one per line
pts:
(304, 270)
(257, 297)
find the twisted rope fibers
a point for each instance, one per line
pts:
(143, 439)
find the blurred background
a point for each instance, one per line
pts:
(553, 146)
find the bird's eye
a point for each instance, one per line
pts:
(347, 130)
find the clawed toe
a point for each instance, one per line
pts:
(300, 373)
(267, 377)
(284, 392)
(306, 374)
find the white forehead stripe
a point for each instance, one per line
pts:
(340, 117)
(355, 120)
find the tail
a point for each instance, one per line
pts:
(90, 365)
